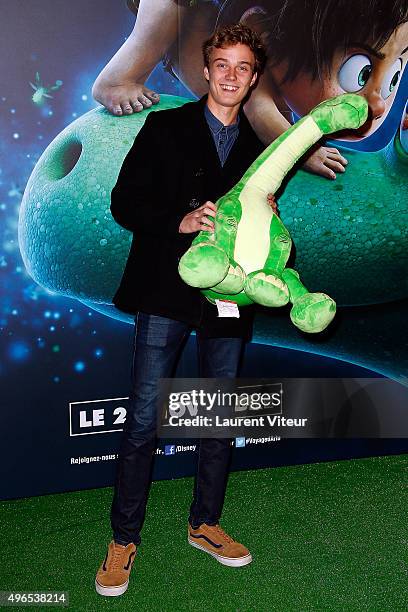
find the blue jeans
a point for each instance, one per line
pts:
(157, 345)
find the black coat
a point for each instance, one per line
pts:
(172, 168)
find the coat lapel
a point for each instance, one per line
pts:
(242, 152)
(203, 152)
(207, 150)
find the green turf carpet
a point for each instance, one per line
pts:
(328, 536)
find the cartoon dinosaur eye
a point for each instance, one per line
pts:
(355, 72)
(391, 78)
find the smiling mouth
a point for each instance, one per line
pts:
(229, 88)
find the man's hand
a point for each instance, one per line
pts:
(272, 203)
(198, 220)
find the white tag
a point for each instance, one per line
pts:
(227, 308)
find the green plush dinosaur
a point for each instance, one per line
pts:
(244, 259)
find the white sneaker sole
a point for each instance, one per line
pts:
(111, 591)
(230, 561)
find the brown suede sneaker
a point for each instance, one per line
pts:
(213, 540)
(112, 578)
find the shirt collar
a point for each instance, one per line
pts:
(216, 125)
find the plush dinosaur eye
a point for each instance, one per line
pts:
(355, 72)
(391, 78)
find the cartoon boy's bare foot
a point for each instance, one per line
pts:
(125, 98)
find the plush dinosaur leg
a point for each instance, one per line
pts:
(226, 225)
(204, 263)
(311, 312)
(266, 286)
(209, 261)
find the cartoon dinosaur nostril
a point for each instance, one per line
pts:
(64, 159)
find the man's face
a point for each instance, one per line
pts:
(230, 74)
(373, 75)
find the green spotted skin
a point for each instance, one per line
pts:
(68, 239)
(351, 234)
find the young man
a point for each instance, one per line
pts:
(182, 161)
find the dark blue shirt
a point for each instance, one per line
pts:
(224, 135)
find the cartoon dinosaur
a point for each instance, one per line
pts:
(244, 259)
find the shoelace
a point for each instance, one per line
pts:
(224, 535)
(117, 556)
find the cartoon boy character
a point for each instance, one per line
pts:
(317, 50)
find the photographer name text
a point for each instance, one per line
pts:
(238, 421)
